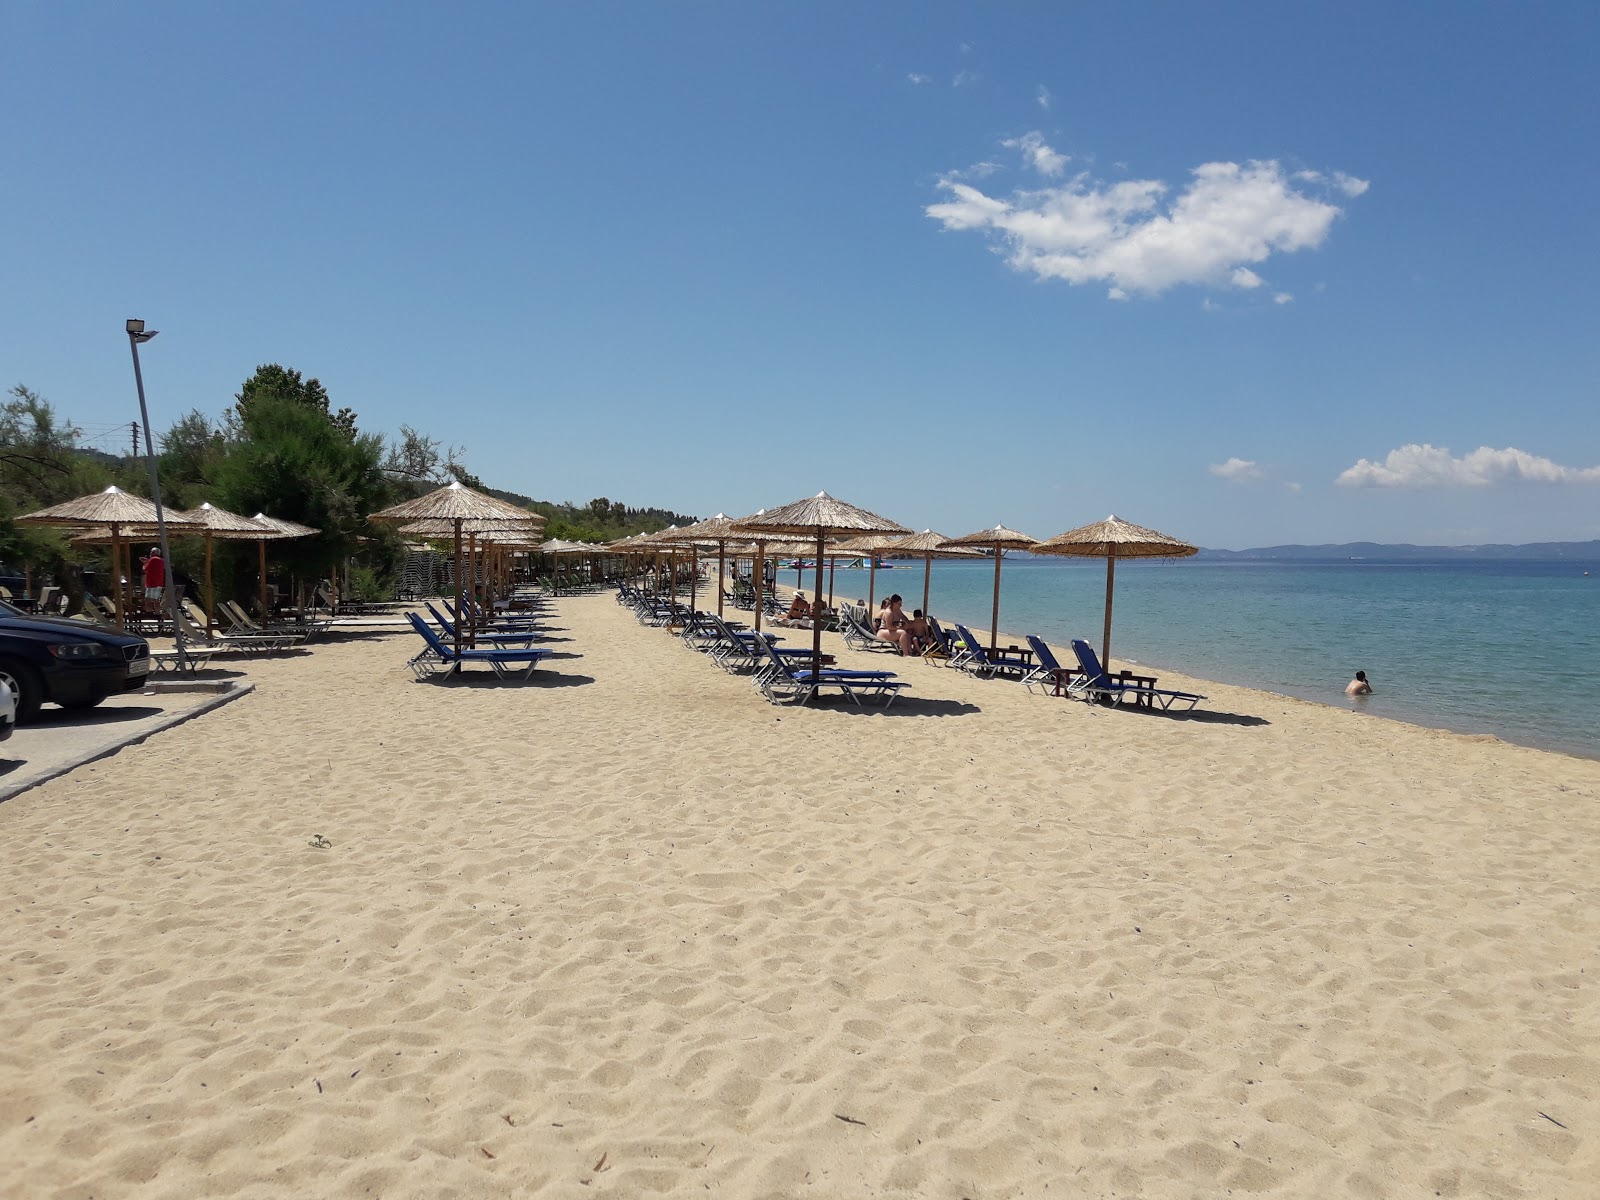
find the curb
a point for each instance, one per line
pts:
(11, 788)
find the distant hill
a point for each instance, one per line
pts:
(1380, 552)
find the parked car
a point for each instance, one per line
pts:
(8, 711)
(65, 662)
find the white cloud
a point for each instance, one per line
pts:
(1282, 298)
(1426, 466)
(1237, 470)
(1037, 154)
(1132, 237)
(1044, 97)
(1293, 487)
(918, 78)
(963, 78)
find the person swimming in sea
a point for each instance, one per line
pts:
(1358, 686)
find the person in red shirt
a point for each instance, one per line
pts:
(155, 577)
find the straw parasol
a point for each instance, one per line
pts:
(282, 531)
(818, 517)
(998, 540)
(930, 545)
(118, 512)
(213, 522)
(718, 531)
(1112, 539)
(456, 503)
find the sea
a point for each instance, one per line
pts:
(1510, 648)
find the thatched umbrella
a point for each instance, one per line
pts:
(718, 531)
(818, 517)
(930, 545)
(285, 529)
(1112, 539)
(997, 540)
(455, 503)
(213, 522)
(119, 513)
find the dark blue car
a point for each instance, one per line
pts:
(69, 663)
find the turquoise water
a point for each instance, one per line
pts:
(1509, 648)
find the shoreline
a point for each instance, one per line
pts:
(1201, 682)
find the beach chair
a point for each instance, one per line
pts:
(194, 632)
(438, 656)
(491, 637)
(942, 649)
(1047, 672)
(1096, 684)
(779, 678)
(239, 622)
(975, 660)
(857, 631)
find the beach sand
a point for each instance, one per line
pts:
(633, 931)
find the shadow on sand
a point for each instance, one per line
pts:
(904, 706)
(82, 718)
(487, 679)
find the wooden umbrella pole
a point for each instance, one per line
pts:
(994, 620)
(833, 565)
(872, 584)
(816, 622)
(927, 574)
(760, 572)
(460, 612)
(117, 589)
(694, 576)
(1105, 641)
(722, 549)
(211, 591)
(261, 544)
(472, 592)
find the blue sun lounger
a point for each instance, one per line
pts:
(489, 637)
(438, 656)
(778, 677)
(975, 660)
(1094, 684)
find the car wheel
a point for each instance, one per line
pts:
(25, 685)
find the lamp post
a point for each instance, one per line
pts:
(137, 337)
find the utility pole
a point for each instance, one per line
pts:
(134, 425)
(137, 337)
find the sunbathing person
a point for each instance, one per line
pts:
(799, 612)
(894, 627)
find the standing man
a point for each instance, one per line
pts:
(155, 578)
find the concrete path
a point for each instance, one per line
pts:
(59, 741)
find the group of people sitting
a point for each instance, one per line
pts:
(911, 634)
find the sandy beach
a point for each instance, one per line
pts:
(630, 930)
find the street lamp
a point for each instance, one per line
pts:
(136, 338)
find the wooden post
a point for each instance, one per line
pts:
(994, 622)
(1105, 641)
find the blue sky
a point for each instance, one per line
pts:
(1246, 273)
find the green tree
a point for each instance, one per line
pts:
(39, 467)
(282, 383)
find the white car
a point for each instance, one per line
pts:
(8, 710)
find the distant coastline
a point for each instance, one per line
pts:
(1381, 552)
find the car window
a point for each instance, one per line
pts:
(10, 611)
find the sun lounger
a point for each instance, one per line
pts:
(240, 623)
(194, 633)
(439, 656)
(856, 629)
(489, 637)
(1095, 684)
(1047, 672)
(778, 678)
(975, 660)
